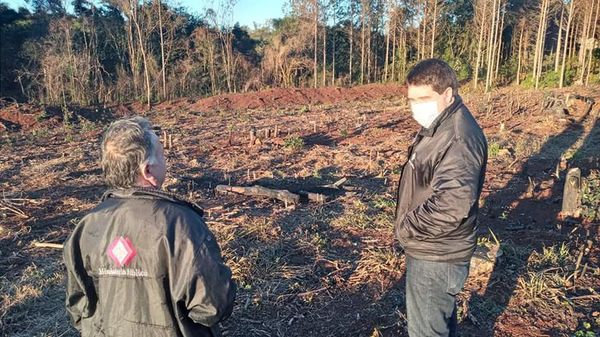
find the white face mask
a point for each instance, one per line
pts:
(425, 113)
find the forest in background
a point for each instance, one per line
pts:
(109, 51)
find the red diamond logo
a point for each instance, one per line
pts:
(121, 251)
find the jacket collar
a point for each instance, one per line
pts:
(148, 193)
(449, 111)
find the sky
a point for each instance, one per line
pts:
(246, 12)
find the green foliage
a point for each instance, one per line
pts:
(585, 331)
(461, 66)
(363, 215)
(384, 203)
(39, 133)
(508, 71)
(7, 141)
(591, 197)
(553, 256)
(82, 56)
(294, 143)
(528, 82)
(594, 79)
(550, 79)
(494, 150)
(87, 126)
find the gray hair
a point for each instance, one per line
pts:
(127, 145)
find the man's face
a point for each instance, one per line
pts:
(159, 168)
(425, 93)
(153, 174)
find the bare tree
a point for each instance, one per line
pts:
(316, 26)
(593, 41)
(564, 57)
(387, 40)
(433, 30)
(363, 27)
(480, 17)
(333, 41)
(587, 40)
(142, 45)
(324, 10)
(492, 36)
(162, 50)
(351, 42)
(559, 38)
(522, 24)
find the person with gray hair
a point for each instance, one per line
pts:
(132, 155)
(143, 262)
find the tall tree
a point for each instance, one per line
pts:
(566, 45)
(480, 17)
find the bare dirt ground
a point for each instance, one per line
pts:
(329, 269)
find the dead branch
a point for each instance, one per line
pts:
(286, 196)
(337, 184)
(7, 205)
(315, 197)
(48, 245)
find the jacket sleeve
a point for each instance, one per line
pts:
(80, 294)
(201, 283)
(455, 189)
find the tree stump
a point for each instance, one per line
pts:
(572, 193)
(484, 259)
(252, 136)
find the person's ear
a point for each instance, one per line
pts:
(148, 175)
(449, 93)
(447, 96)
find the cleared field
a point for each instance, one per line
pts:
(313, 269)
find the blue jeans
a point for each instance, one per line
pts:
(431, 289)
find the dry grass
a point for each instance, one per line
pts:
(316, 270)
(33, 305)
(378, 264)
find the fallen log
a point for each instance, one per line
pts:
(286, 196)
(315, 197)
(337, 184)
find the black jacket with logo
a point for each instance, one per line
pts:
(439, 189)
(144, 263)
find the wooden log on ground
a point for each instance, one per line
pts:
(314, 197)
(259, 191)
(337, 184)
(572, 193)
(48, 245)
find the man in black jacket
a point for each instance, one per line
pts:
(143, 262)
(438, 199)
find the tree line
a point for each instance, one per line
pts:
(107, 51)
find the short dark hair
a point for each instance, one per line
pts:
(434, 72)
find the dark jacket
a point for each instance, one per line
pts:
(438, 193)
(143, 263)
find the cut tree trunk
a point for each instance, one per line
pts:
(572, 193)
(283, 195)
(259, 191)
